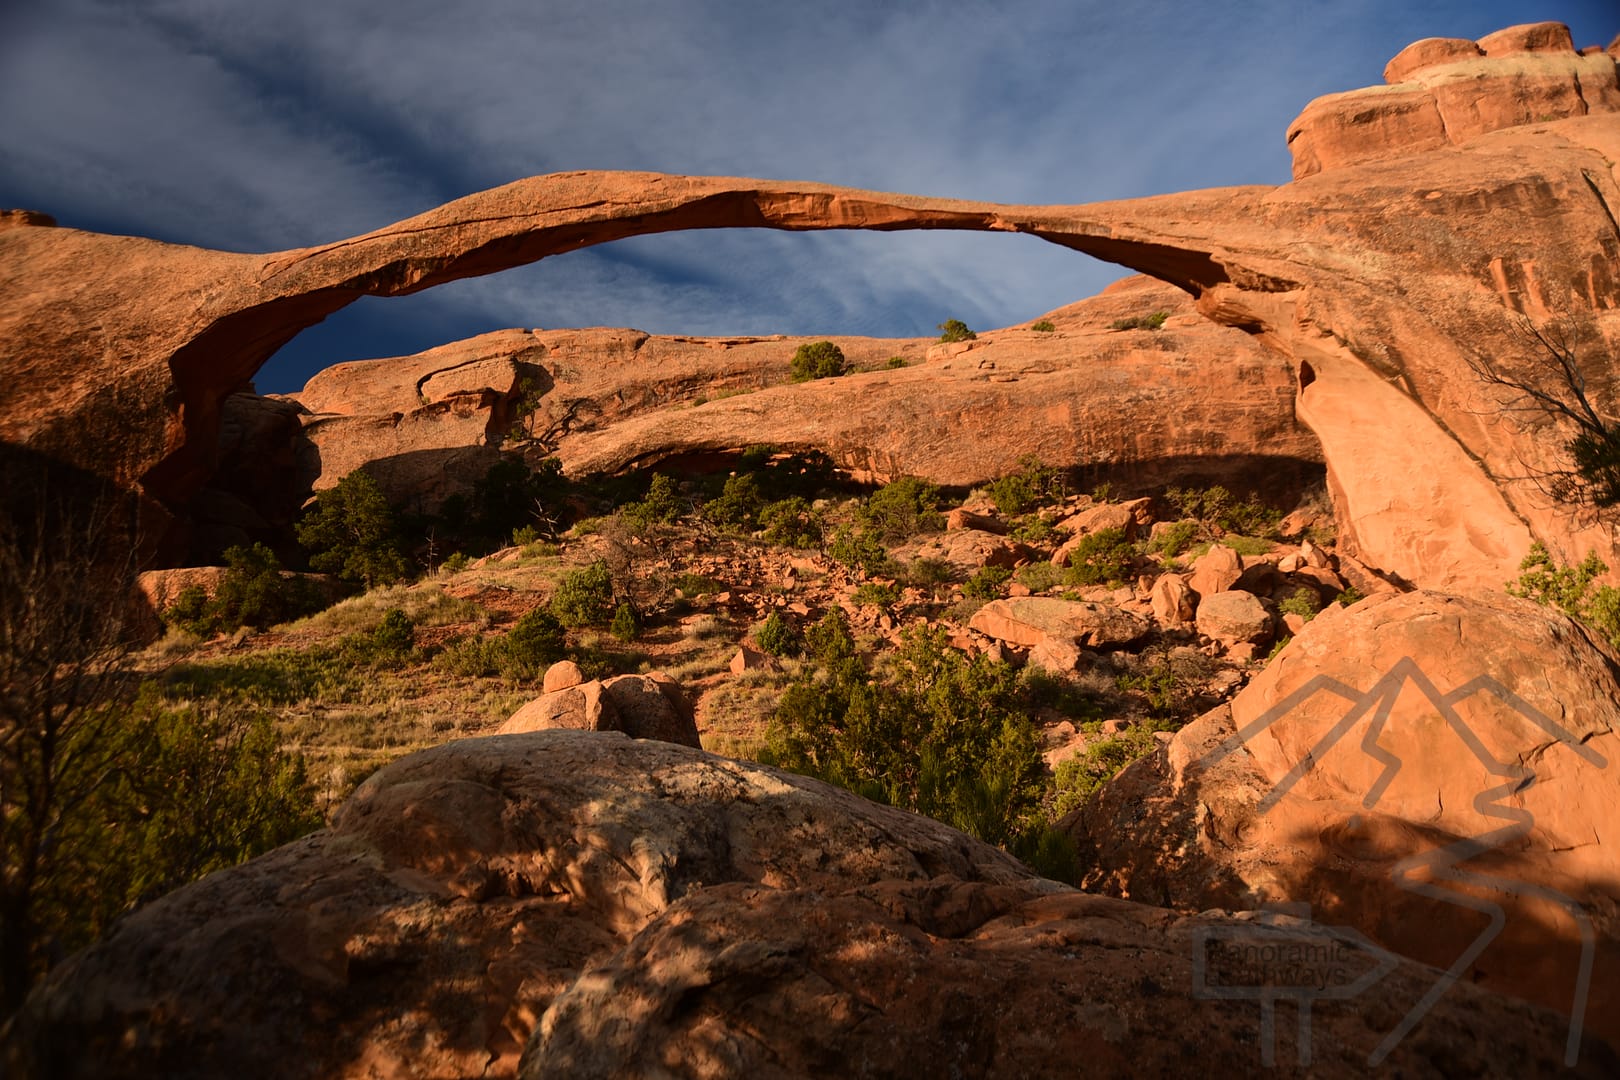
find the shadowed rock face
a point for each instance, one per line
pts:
(581, 904)
(1379, 280)
(1407, 766)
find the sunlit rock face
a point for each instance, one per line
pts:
(1379, 275)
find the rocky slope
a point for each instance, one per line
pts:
(566, 903)
(1440, 773)
(1191, 402)
(1427, 261)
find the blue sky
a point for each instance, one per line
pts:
(268, 125)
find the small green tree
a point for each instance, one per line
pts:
(778, 637)
(819, 360)
(625, 626)
(955, 330)
(900, 510)
(584, 597)
(350, 532)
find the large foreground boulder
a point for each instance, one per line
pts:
(1439, 773)
(582, 904)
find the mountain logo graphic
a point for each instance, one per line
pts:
(1427, 873)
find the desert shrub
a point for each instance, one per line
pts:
(955, 330)
(1039, 576)
(535, 642)
(390, 644)
(1043, 326)
(937, 733)
(1218, 512)
(510, 496)
(876, 594)
(818, 360)
(1102, 557)
(896, 362)
(902, 509)
(350, 532)
(1034, 484)
(1175, 539)
(584, 597)
(830, 640)
(987, 583)
(1170, 684)
(791, 523)
(1350, 596)
(1569, 589)
(456, 563)
(1141, 322)
(200, 787)
(929, 573)
(625, 626)
(694, 585)
(778, 637)
(739, 504)
(661, 505)
(1078, 776)
(1303, 602)
(252, 592)
(858, 549)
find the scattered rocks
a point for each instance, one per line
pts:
(1234, 616)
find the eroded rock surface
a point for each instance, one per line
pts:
(1408, 767)
(107, 334)
(567, 903)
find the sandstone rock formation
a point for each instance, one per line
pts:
(109, 333)
(650, 706)
(1415, 767)
(1030, 621)
(566, 903)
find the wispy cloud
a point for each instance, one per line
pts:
(264, 126)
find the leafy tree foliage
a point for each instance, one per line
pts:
(955, 330)
(254, 591)
(585, 597)
(350, 532)
(818, 360)
(900, 510)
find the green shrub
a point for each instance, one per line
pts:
(902, 509)
(1104, 557)
(830, 641)
(1569, 589)
(1078, 776)
(818, 360)
(876, 594)
(510, 496)
(625, 626)
(739, 504)
(253, 591)
(1033, 485)
(350, 532)
(584, 597)
(955, 330)
(535, 642)
(1350, 596)
(937, 733)
(1043, 326)
(791, 523)
(859, 550)
(896, 362)
(1175, 539)
(987, 583)
(778, 637)
(1141, 322)
(662, 505)
(1216, 510)
(1039, 576)
(929, 573)
(390, 644)
(1247, 545)
(456, 563)
(1303, 602)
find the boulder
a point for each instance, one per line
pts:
(650, 706)
(1173, 600)
(562, 675)
(1415, 738)
(1032, 620)
(1216, 570)
(581, 904)
(747, 659)
(966, 550)
(1234, 616)
(579, 707)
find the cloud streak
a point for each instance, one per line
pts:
(266, 126)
